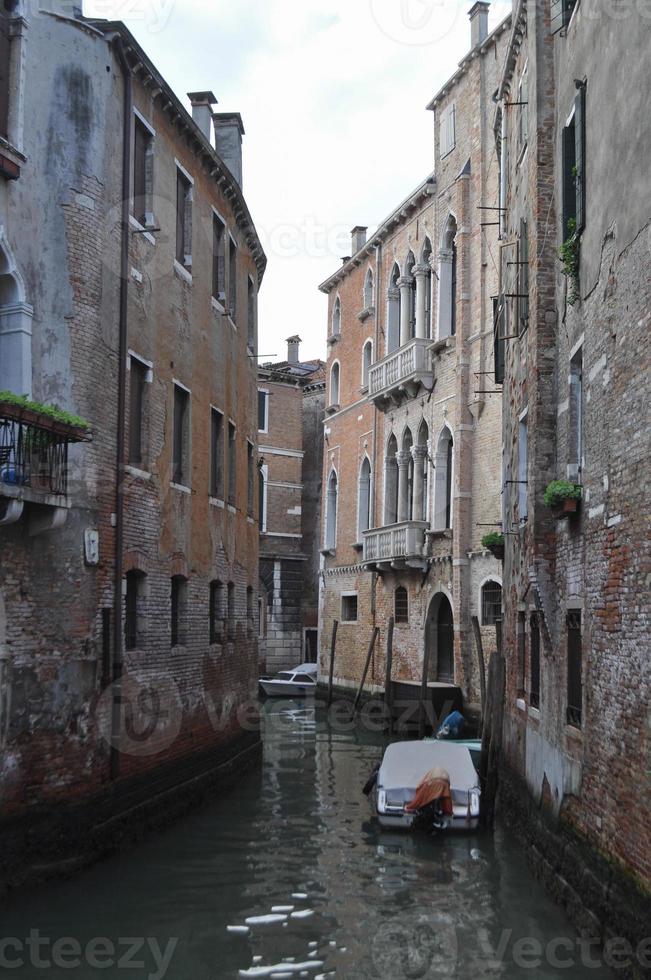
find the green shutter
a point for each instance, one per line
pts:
(579, 157)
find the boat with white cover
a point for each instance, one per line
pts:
(299, 682)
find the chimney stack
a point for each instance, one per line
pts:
(358, 238)
(202, 103)
(229, 130)
(478, 22)
(293, 344)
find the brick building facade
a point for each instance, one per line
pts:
(128, 598)
(413, 429)
(291, 402)
(576, 362)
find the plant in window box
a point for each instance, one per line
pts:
(494, 542)
(569, 255)
(563, 497)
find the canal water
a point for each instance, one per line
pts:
(288, 875)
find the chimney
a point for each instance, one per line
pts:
(293, 344)
(478, 22)
(202, 103)
(358, 238)
(229, 130)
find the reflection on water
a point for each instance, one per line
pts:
(289, 876)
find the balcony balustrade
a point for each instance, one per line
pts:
(395, 546)
(401, 374)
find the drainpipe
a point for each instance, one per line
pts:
(121, 409)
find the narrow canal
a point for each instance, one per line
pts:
(294, 846)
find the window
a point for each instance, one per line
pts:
(349, 608)
(409, 274)
(138, 377)
(522, 638)
(334, 384)
(426, 259)
(216, 454)
(561, 11)
(499, 332)
(250, 479)
(573, 168)
(575, 447)
(249, 609)
(142, 167)
(523, 277)
(523, 508)
(491, 603)
(232, 281)
(179, 596)
(368, 289)
(5, 64)
(262, 498)
(231, 611)
(133, 623)
(447, 133)
(336, 318)
(251, 315)
(262, 617)
(574, 669)
(534, 656)
(401, 605)
(443, 481)
(367, 360)
(391, 482)
(523, 110)
(232, 464)
(183, 220)
(393, 311)
(364, 499)
(447, 315)
(263, 411)
(181, 449)
(218, 259)
(331, 512)
(216, 612)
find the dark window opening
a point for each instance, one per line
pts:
(522, 638)
(179, 589)
(232, 281)
(401, 605)
(141, 150)
(183, 220)
(561, 11)
(453, 298)
(499, 348)
(491, 603)
(217, 454)
(5, 63)
(448, 484)
(534, 693)
(573, 169)
(249, 609)
(137, 391)
(216, 612)
(263, 409)
(231, 611)
(132, 601)
(349, 608)
(574, 669)
(218, 259)
(251, 316)
(262, 490)
(250, 479)
(232, 463)
(523, 277)
(181, 468)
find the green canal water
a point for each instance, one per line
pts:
(295, 847)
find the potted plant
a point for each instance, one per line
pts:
(48, 417)
(494, 542)
(563, 497)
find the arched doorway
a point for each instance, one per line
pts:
(439, 640)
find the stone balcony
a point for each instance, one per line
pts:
(401, 374)
(395, 546)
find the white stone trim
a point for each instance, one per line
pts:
(148, 126)
(277, 451)
(179, 166)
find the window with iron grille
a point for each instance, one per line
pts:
(349, 608)
(138, 375)
(401, 605)
(178, 611)
(216, 612)
(522, 636)
(231, 611)
(574, 669)
(573, 168)
(181, 454)
(534, 665)
(218, 259)
(133, 633)
(183, 220)
(491, 603)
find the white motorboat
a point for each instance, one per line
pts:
(406, 763)
(299, 682)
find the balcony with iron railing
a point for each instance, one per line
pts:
(34, 448)
(395, 546)
(401, 374)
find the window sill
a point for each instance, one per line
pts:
(142, 230)
(331, 409)
(182, 272)
(231, 509)
(334, 338)
(217, 306)
(521, 704)
(445, 342)
(250, 520)
(441, 534)
(231, 322)
(358, 546)
(328, 552)
(138, 473)
(574, 734)
(216, 502)
(534, 713)
(523, 153)
(366, 313)
(180, 487)
(348, 622)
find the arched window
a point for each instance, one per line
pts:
(420, 491)
(391, 482)
(367, 360)
(409, 271)
(368, 289)
(443, 470)
(426, 259)
(364, 498)
(401, 605)
(15, 328)
(406, 484)
(334, 384)
(491, 603)
(336, 318)
(447, 313)
(331, 512)
(393, 310)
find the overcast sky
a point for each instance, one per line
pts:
(333, 95)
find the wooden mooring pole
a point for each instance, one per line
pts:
(482, 670)
(424, 693)
(388, 697)
(491, 746)
(333, 646)
(366, 666)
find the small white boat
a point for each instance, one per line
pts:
(406, 763)
(299, 682)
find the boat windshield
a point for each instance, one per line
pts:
(284, 675)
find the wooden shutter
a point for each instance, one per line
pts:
(5, 50)
(579, 157)
(561, 11)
